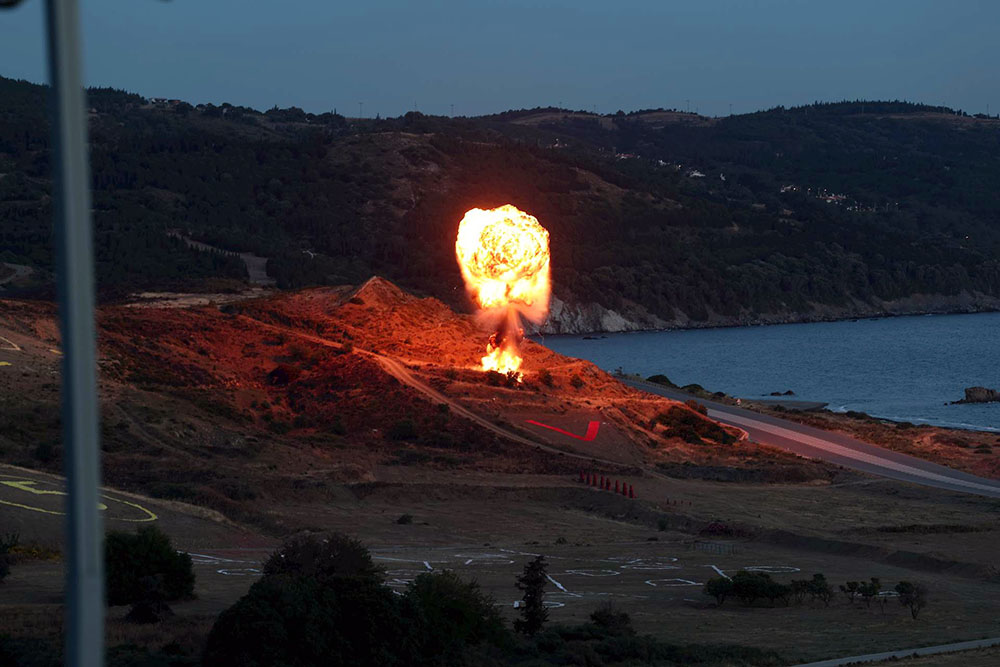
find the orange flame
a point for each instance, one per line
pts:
(502, 360)
(504, 257)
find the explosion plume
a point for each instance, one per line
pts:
(504, 257)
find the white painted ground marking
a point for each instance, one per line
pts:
(557, 584)
(428, 566)
(642, 565)
(847, 452)
(202, 559)
(404, 573)
(498, 559)
(528, 553)
(397, 582)
(567, 594)
(240, 572)
(547, 603)
(772, 569)
(663, 582)
(720, 572)
(594, 573)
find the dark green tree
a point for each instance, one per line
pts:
(132, 558)
(323, 558)
(748, 587)
(869, 590)
(851, 590)
(289, 619)
(913, 596)
(532, 583)
(820, 589)
(446, 615)
(720, 588)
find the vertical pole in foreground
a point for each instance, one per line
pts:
(84, 623)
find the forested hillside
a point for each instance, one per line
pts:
(663, 216)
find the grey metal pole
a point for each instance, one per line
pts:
(84, 622)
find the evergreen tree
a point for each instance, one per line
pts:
(533, 611)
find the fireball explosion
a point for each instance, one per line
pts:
(504, 256)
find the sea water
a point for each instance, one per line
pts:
(900, 368)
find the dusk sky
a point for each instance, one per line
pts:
(491, 56)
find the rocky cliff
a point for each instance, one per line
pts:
(591, 317)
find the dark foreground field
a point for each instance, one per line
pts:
(232, 426)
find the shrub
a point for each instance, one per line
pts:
(696, 406)
(682, 423)
(660, 379)
(337, 426)
(799, 589)
(405, 520)
(132, 558)
(820, 589)
(576, 381)
(404, 429)
(545, 377)
(323, 558)
(720, 588)
(611, 620)
(46, 452)
(279, 428)
(7, 544)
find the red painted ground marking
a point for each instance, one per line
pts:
(592, 429)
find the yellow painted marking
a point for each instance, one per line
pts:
(54, 351)
(4, 363)
(29, 507)
(29, 486)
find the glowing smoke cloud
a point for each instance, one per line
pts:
(504, 257)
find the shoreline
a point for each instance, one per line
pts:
(764, 321)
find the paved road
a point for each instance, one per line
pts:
(840, 449)
(899, 655)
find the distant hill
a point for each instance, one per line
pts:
(664, 217)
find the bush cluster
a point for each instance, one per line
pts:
(324, 601)
(749, 587)
(131, 559)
